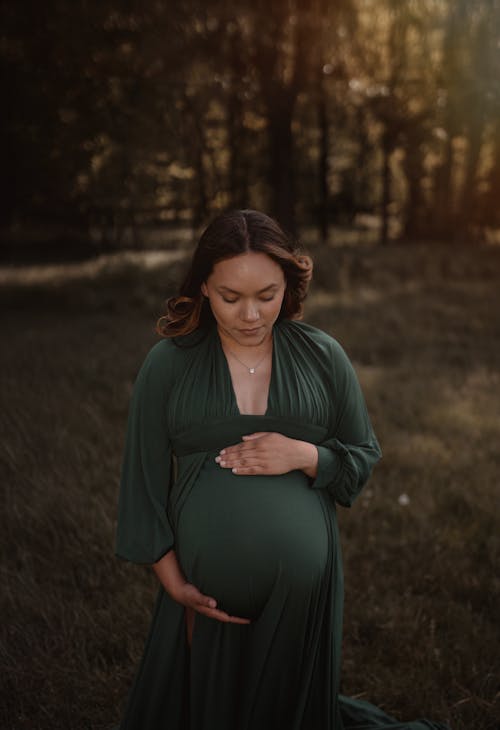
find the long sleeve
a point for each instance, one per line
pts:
(144, 534)
(347, 457)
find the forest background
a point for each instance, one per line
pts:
(371, 130)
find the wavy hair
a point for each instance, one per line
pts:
(230, 234)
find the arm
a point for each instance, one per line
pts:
(144, 534)
(347, 457)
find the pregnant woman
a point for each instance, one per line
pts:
(246, 428)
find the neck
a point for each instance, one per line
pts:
(259, 348)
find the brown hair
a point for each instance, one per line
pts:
(231, 234)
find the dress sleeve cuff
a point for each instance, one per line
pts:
(329, 462)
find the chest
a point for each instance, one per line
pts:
(208, 388)
(251, 390)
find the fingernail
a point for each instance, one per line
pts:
(222, 452)
(217, 459)
(234, 470)
(222, 463)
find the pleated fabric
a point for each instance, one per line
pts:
(266, 547)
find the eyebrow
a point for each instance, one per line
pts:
(261, 291)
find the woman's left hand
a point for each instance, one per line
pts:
(268, 452)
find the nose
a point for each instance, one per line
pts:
(249, 312)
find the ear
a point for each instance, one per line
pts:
(204, 289)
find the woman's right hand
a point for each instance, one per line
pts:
(190, 597)
(171, 577)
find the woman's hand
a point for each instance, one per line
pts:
(171, 577)
(267, 452)
(190, 597)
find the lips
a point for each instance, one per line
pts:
(251, 331)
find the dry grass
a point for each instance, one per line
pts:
(421, 545)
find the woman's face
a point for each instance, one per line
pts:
(245, 294)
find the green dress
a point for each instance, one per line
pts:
(266, 547)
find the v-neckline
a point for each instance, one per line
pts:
(228, 375)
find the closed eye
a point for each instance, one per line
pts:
(262, 299)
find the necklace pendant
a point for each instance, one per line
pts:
(251, 370)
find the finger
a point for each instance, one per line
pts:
(238, 620)
(233, 449)
(237, 445)
(231, 463)
(250, 451)
(241, 445)
(242, 470)
(222, 616)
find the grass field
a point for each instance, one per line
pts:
(421, 544)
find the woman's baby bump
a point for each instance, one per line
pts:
(238, 534)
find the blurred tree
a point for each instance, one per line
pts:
(267, 56)
(121, 116)
(468, 105)
(398, 97)
(278, 41)
(143, 69)
(238, 92)
(44, 109)
(334, 26)
(491, 197)
(481, 107)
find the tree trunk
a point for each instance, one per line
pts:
(467, 209)
(386, 188)
(279, 93)
(323, 159)
(441, 224)
(195, 143)
(442, 217)
(364, 200)
(491, 208)
(413, 166)
(281, 167)
(238, 182)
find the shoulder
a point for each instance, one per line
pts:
(321, 350)
(170, 350)
(161, 356)
(169, 356)
(161, 364)
(306, 333)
